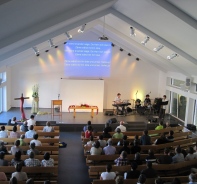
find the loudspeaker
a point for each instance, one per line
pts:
(109, 113)
(188, 82)
(191, 127)
(112, 120)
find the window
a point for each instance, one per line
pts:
(195, 113)
(177, 83)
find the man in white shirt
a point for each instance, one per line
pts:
(35, 140)
(31, 132)
(163, 107)
(3, 133)
(121, 127)
(31, 121)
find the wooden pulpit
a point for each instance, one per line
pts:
(56, 105)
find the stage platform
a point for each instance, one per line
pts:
(133, 121)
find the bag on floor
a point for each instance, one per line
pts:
(62, 145)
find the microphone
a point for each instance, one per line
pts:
(58, 96)
(136, 92)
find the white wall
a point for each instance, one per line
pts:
(127, 77)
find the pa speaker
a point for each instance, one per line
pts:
(188, 82)
(112, 120)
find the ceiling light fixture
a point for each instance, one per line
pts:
(156, 49)
(172, 56)
(137, 59)
(36, 51)
(103, 37)
(69, 36)
(145, 41)
(129, 54)
(81, 30)
(121, 49)
(132, 33)
(112, 44)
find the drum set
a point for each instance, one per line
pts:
(142, 108)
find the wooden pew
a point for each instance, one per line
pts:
(24, 182)
(27, 140)
(42, 134)
(183, 179)
(139, 133)
(176, 168)
(94, 159)
(177, 136)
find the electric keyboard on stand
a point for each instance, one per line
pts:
(121, 110)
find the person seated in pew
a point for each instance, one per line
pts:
(122, 160)
(14, 133)
(137, 159)
(35, 140)
(88, 132)
(17, 159)
(3, 148)
(33, 149)
(3, 133)
(109, 149)
(159, 181)
(133, 173)
(145, 138)
(136, 139)
(85, 128)
(96, 149)
(192, 178)
(108, 175)
(141, 179)
(176, 181)
(125, 148)
(170, 137)
(118, 134)
(119, 180)
(103, 142)
(166, 158)
(108, 127)
(20, 176)
(48, 127)
(47, 161)
(149, 172)
(31, 161)
(47, 182)
(106, 134)
(16, 148)
(13, 121)
(151, 156)
(2, 161)
(31, 121)
(167, 125)
(31, 132)
(30, 181)
(121, 127)
(160, 126)
(124, 139)
(90, 142)
(135, 148)
(161, 140)
(22, 142)
(190, 155)
(3, 177)
(178, 157)
(13, 180)
(24, 127)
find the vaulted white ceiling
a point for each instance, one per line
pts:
(172, 23)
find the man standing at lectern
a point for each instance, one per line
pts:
(163, 107)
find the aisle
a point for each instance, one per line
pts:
(72, 166)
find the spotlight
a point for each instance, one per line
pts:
(103, 38)
(145, 41)
(156, 49)
(129, 54)
(81, 30)
(68, 35)
(172, 56)
(51, 43)
(65, 43)
(47, 50)
(121, 49)
(56, 46)
(112, 44)
(137, 59)
(36, 51)
(132, 33)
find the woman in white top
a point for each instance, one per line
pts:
(108, 175)
(48, 127)
(47, 162)
(190, 155)
(20, 176)
(35, 140)
(96, 150)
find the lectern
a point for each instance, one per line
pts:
(54, 105)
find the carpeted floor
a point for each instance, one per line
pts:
(72, 166)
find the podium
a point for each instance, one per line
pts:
(56, 103)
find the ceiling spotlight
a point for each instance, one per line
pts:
(156, 49)
(103, 38)
(145, 41)
(112, 44)
(65, 43)
(132, 33)
(137, 59)
(51, 43)
(81, 30)
(172, 56)
(129, 54)
(47, 50)
(36, 51)
(68, 35)
(121, 49)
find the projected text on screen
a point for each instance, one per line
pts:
(87, 59)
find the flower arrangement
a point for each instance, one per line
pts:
(35, 90)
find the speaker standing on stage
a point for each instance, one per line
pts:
(163, 107)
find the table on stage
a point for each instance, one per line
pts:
(74, 107)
